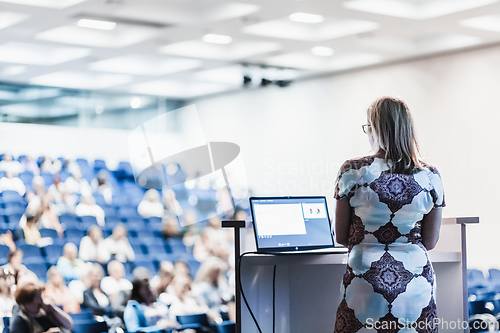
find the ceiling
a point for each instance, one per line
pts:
(161, 47)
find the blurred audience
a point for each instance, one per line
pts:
(49, 218)
(172, 206)
(7, 239)
(11, 183)
(76, 183)
(30, 232)
(113, 284)
(171, 228)
(94, 298)
(92, 247)
(101, 186)
(30, 165)
(118, 246)
(35, 315)
(88, 207)
(160, 282)
(142, 314)
(8, 164)
(211, 285)
(151, 205)
(15, 265)
(70, 266)
(49, 166)
(58, 293)
(7, 287)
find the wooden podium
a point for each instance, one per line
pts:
(308, 286)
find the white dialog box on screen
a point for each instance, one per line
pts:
(314, 211)
(280, 219)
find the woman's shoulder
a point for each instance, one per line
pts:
(356, 163)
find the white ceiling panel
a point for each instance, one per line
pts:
(10, 18)
(39, 54)
(80, 80)
(308, 61)
(416, 10)
(57, 4)
(185, 13)
(180, 89)
(139, 64)
(158, 45)
(330, 28)
(487, 22)
(233, 51)
(122, 36)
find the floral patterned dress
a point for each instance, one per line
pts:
(389, 283)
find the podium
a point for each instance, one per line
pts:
(308, 286)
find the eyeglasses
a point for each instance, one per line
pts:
(366, 128)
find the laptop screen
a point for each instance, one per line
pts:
(291, 223)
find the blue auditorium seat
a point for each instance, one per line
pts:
(49, 233)
(14, 209)
(39, 268)
(48, 178)
(26, 177)
(150, 265)
(68, 219)
(126, 212)
(52, 253)
(74, 233)
(12, 196)
(91, 327)
(145, 233)
(88, 220)
(4, 251)
(226, 327)
(100, 164)
(29, 250)
(155, 249)
(138, 249)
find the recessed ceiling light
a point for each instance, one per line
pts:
(322, 51)
(96, 24)
(306, 18)
(99, 109)
(217, 39)
(135, 103)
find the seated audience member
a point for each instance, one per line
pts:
(184, 303)
(8, 240)
(142, 314)
(118, 246)
(160, 282)
(8, 164)
(88, 207)
(120, 301)
(192, 234)
(171, 228)
(16, 266)
(49, 166)
(101, 186)
(211, 285)
(7, 300)
(29, 164)
(94, 298)
(36, 316)
(63, 201)
(58, 293)
(49, 218)
(150, 205)
(205, 247)
(115, 282)
(38, 185)
(76, 183)
(11, 183)
(70, 267)
(78, 286)
(92, 247)
(181, 267)
(172, 206)
(30, 232)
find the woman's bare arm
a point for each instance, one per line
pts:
(342, 221)
(431, 223)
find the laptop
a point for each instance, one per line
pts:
(292, 225)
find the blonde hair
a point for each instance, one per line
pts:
(392, 125)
